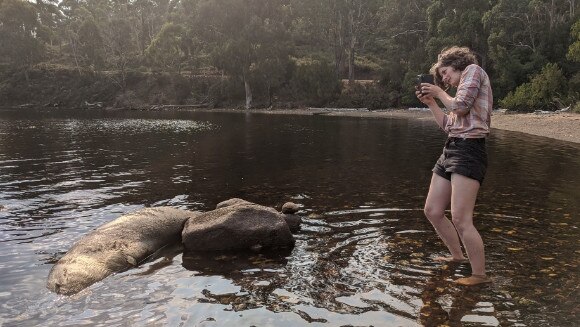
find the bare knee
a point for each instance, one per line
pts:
(433, 213)
(461, 223)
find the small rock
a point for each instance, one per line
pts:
(290, 208)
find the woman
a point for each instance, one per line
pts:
(460, 170)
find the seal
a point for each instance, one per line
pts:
(117, 246)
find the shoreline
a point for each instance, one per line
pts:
(563, 126)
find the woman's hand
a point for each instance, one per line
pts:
(431, 90)
(426, 99)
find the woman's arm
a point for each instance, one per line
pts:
(438, 114)
(466, 94)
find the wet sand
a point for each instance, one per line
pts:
(562, 126)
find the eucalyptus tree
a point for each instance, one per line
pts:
(18, 35)
(341, 27)
(49, 17)
(524, 35)
(169, 49)
(403, 33)
(242, 35)
(362, 18)
(149, 17)
(82, 32)
(456, 22)
(574, 49)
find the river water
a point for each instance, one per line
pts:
(364, 255)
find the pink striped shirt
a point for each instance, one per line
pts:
(470, 111)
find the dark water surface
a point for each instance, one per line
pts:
(364, 255)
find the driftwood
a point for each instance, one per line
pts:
(178, 106)
(339, 109)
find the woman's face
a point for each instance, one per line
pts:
(449, 75)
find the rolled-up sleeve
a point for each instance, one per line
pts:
(467, 90)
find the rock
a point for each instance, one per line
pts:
(117, 246)
(232, 202)
(293, 222)
(290, 208)
(241, 226)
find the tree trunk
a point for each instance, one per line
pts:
(338, 44)
(269, 89)
(73, 44)
(26, 76)
(351, 46)
(248, 93)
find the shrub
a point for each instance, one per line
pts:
(366, 95)
(314, 82)
(545, 91)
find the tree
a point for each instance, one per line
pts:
(574, 49)
(361, 25)
(120, 48)
(545, 91)
(91, 43)
(453, 22)
(402, 36)
(524, 35)
(18, 29)
(168, 50)
(237, 31)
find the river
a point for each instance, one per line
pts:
(364, 255)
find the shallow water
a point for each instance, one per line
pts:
(364, 255)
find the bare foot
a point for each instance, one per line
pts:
(452, 260)
(473, 280)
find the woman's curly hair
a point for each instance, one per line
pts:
(456, 57)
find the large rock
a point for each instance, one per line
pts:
(240, 225)
(232, 202)
(116, 246)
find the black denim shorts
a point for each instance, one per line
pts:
(467, 157)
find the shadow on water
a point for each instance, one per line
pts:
(364, 255)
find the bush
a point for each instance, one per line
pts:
(366, 95)
(314, 82)
(545, 91)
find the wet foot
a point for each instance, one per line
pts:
(473, 280)
(452, 260)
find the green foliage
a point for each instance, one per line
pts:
(314, 82)
(456, 22)
(365, 95)
(168, 50)
(246, 46)
(18, 28)
(574, 49)
(545, 91)
(91, 43)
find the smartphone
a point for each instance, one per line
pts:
(424, 78)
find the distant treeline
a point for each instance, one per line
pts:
(299, 52)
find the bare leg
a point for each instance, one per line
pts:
(463, 196)
(437, 202)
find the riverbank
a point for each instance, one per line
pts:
(562, 126)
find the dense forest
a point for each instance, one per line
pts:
(280, 53)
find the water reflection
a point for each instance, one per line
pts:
(364, 255)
